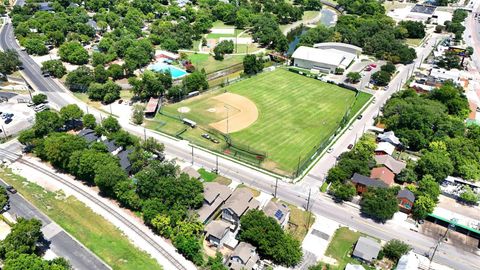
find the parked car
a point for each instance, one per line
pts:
(359, 117)
(120, 101)
(373, 65)
(369, 68)
(350, 146)
(206, 136)
(11, 189)
(330, 150)
(8, 121)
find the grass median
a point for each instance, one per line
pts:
(91, 229)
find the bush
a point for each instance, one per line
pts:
(54, 68)
(339, 71)
(39, 99)
(137, 115)
(394, 249)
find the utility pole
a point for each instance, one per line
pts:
(450, 226)
(216, 164)
(192, 154)
(308, 199)
(111, 108)
(144, 134)
(276, 186)
(87, 108)
(308, 211)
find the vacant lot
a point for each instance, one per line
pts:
(295, 114)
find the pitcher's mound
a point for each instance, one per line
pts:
(242, 114)
(183, 109)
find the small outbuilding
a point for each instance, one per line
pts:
(367, 249)
(152, 107)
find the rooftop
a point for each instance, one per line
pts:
(386, 147)
(394, 165)
(407, 194)
(367, 249)
(327, 56)
(367, 181)
(217, 228)
(278, 211)
(240, 201)
(215, 195)
(383, 174)
(390, 137)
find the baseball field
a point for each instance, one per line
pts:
(280, 113)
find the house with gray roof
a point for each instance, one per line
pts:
(244, 256)
(125, 161)
(366, 249)
(111, 146)
(394, 165)
(406, 199)
(89, 135)
(278, 211)
(362, 183)
(389, 137)
(215, 195)
(216, 232)
(238, 204)
(384, 148)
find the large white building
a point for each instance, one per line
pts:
(323, 59)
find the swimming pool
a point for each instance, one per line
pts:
(162, 67)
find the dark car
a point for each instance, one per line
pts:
(350, 146)
(11, 189)
(206, 136)
(359, 117)
(8, 120)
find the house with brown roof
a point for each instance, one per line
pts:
(238, 204)
(278, 211)
(383, 174)
(215, 195)
(244, 256)
(392, 164)
(362, 183)
(406, 199)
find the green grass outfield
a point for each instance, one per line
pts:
(296, 114)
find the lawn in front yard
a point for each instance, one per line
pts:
(300, 221)
(91, 229)
(341, 247)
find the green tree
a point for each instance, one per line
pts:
(46, 122)
(111, 124)
(216, 263)
(196, 81)
(73, 52)
(84, 163)
(39, 99)
(394, 249)
(79, 79)
(107, 176)
(54, 68)
(271, 241)
(35, 46)
(251, 64)
(3, 197)
(381, 78)
(23, 237)
(469, 196)
(9, 61)
(100, 74)
(379, 203)
(429, 186)
(71, 112)
(138, 114)
(415, 29)
(190, 247)
(89, 121)
(343, 192)
(222, 48)
(60, 146)
(116, 72)
(354, 77)
(423, 206)
(435, 163)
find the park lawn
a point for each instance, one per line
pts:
(341, 247)
(360, 101)
(296, 115)
(246, 48)
(207, 62)
(91, 229)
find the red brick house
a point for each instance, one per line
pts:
(405, 198)
(362, 183)
(383, 174)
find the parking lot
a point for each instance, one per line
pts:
(23, 116)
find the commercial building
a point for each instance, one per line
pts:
(323, 60)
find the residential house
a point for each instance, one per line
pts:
(390, 137)
(244, 257)
(384, 148)
(215, 196)
(93, 24)
(362, 183)
(279, 211)
(238, 204)
(124, 161)
(392, 164)
(191, 172)
(409, 261)
(216, 232)
(405, 198)
(89, 135)
(383, 174)
(111, 146)
(45, 6)
(366, 249)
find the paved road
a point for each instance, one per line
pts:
(61, 243)
(296, 194)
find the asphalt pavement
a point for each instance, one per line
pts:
(61, 243)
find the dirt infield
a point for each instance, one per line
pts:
(242, 112)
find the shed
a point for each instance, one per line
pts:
(367, 249)
(152, 106)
